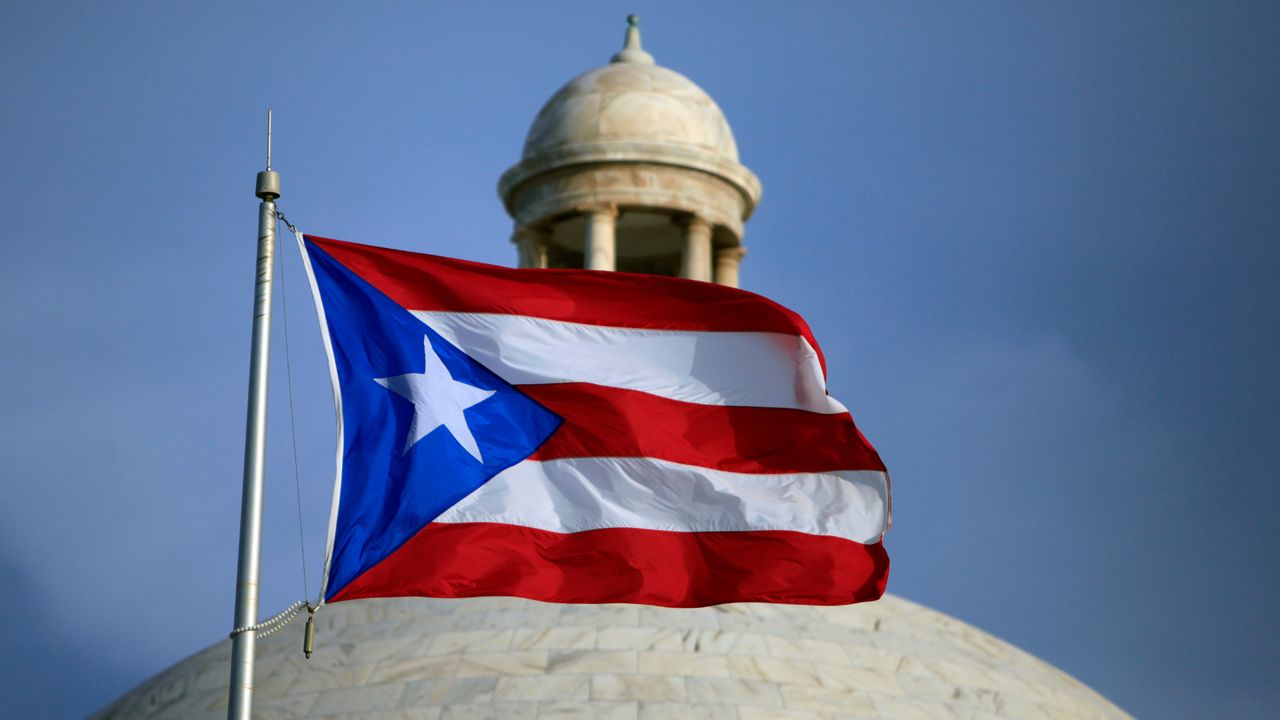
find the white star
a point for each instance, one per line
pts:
(437, 400)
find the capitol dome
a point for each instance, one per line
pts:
(511, 658)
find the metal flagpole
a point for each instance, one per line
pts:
(240, 705)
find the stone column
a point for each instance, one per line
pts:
(728, 260)
(695, 261)
(601, 251)
(531, 246)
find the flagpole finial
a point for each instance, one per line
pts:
(268, 138)
(631, 51)
(268, 187)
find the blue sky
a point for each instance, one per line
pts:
(1037, 242)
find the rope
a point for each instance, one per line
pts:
(293, 432)
(266, 627)
(297, 484)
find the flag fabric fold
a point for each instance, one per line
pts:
(581, 436)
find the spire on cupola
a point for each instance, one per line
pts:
(631, 51)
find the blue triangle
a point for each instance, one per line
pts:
(388, 495)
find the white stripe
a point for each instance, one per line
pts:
(572, 495)
(761, 369)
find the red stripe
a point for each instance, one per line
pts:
(651, 567)
(430, 282)
(612, 422)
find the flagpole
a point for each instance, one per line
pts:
(240, 703)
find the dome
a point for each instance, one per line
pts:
(512, 658)
(623, 104)
(631, 112)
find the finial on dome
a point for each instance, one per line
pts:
(631, 51)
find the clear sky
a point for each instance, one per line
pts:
(1038, 243)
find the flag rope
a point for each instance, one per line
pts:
(293, 433)
(297, 234)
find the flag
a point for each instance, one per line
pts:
(585, 437)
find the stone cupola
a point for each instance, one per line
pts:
(631, 167)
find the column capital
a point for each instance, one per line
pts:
(732, 252)
(536, 233)
(606, 209)
(690, 221)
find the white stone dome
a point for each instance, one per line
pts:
(511, 658)
(630, 112)
(621, 104)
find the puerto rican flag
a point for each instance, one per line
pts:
(585, 437)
